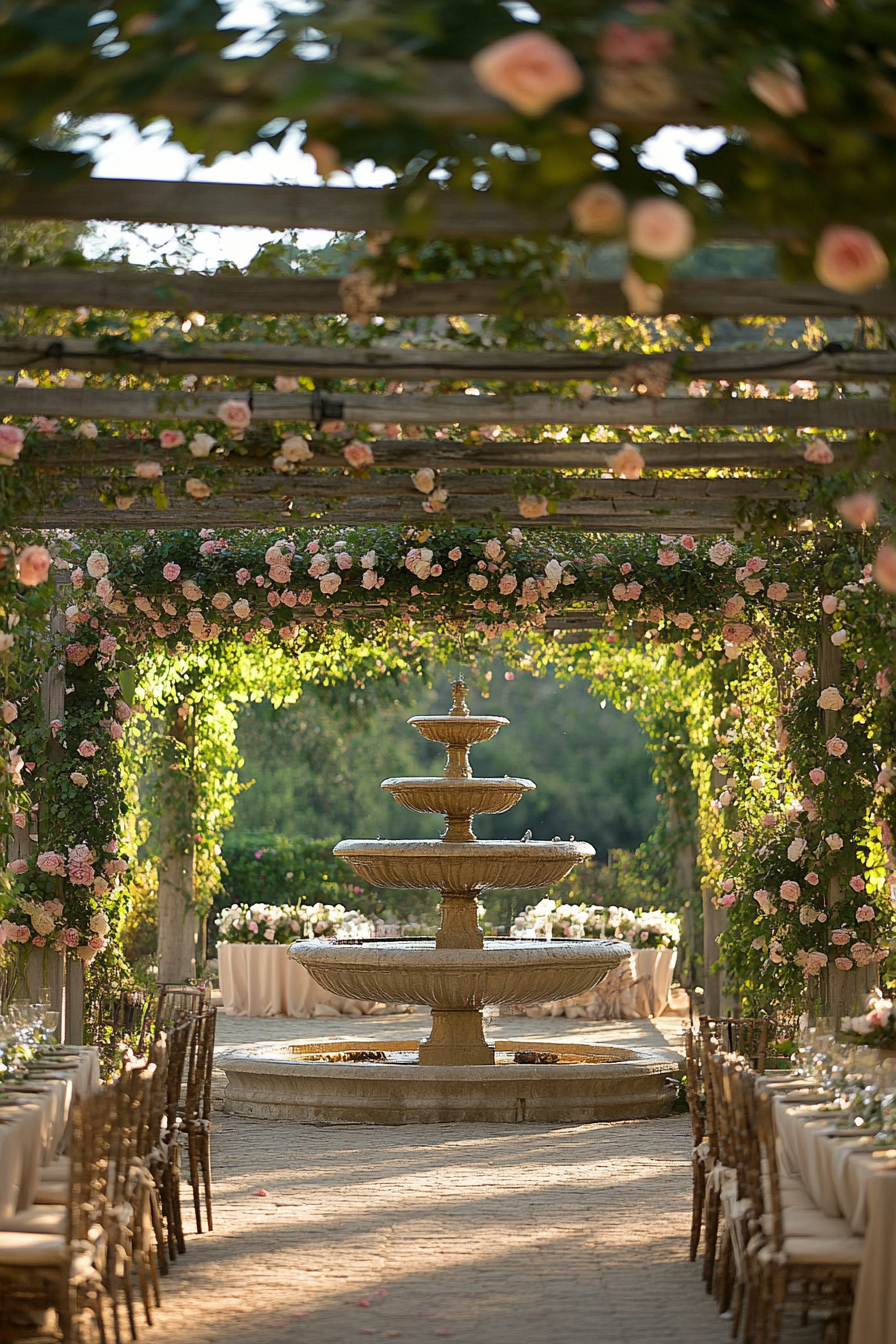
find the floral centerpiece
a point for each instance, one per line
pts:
(260, 923)
(875, 1027)
(642, 928)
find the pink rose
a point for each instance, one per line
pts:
(778, 591)
(840, 937)
(18, 866)
(33, 565)
(817, 775)
(455, 553)
(344, 560)
(436, 570)
(667, 556)
(11, 440)
(885, 568)
(843, 963)
(148, 470)
(622, 44)
(857, 883)
(507, 584)
(171, 438)
(532, 506)
(865, 913)
(598, 209)
(780, 87)
(80, 873)
(836, 746)
(358, 454)
(86, 748)
(627, 463)
(849, 259)
(50, 862)
(688, 542)
(660, 228)
(727, 901)
(762, 899)
(236, 414)
(96, 942)
(859, 510)
(171, 571)
(789, 891)
(862, 953)
(819, 453)
(305, 597)
(530, 71)
(329, 584)
(319, 566)
(71, 937)
(108, 645)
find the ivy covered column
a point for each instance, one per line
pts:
(178, 917)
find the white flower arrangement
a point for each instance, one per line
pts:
(641, 928)
(285, 923)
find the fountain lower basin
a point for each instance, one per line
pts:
(312, 1082)
(502, 971)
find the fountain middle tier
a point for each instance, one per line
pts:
(463, 867)
(459, 800)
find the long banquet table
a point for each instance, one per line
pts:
(261, 981)
(848, 1178)
(34, 1116)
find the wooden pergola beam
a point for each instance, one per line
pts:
(168, 358)
(61, 457)
(408, 408)
(165, 291)
(660, 505)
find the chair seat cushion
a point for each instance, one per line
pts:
(808, 1223)
(833, 1251)
(45, 1218)
(33, 1249)
(52, 1192)
(59, 1170)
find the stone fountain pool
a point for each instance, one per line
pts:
(456, 1074)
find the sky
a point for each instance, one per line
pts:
(119, 149)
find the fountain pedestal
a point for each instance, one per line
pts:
(456, 1038)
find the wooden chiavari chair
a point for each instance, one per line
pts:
(699, 1142)
(746, 1036)
(63, 1269)
(166, 1171)
(196, 1118)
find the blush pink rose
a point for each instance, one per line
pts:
(850, 259)
(817, 775)
(11, 440)
(859, 510)
(836, 746)
(885, 568)
(627, 463)
(455, 553)
(780, 87)
(87, 748)
(71, 937)
(840, 937)
(865, 914)
(857, 883)
(18, 866)
(530, 71)
(667, 556)
(660, 229)
(598, 209)
(819, 453)
(236, 414)
(532, 506)
(843, 963)
(33, 565)
(171, 571)
(171, 438)
(621, 44)
(789, 891)
(357, 454)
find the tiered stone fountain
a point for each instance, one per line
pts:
(458, 975)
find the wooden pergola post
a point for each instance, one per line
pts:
(178, 920)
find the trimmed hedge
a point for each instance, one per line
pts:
(282, 870)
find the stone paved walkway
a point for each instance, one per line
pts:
(482, 1234)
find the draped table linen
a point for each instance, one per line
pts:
(847, 1177)
(34, 1117)
(260, 981)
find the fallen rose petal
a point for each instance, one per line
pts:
(261, 1192)
(363, 1302)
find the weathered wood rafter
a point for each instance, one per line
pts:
(408, 408)
(104, 455)
(243, 358)
(594, 504)
(226, 292)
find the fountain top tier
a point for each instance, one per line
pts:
(458, 730)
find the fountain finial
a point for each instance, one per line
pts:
(459, 709)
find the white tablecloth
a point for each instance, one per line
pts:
(848, 1178)
(639, 987)
(34, 1116)
(259, 981)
